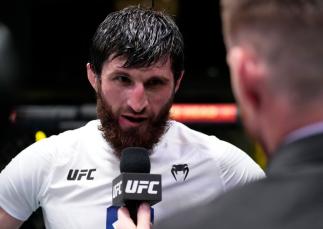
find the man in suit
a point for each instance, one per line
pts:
(275, 53)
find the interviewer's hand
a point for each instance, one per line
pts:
(143, 218)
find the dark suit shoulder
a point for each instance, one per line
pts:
(274, 202)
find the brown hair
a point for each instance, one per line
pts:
(288, 34)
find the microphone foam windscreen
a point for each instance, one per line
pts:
(135, 160)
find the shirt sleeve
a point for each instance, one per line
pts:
(22, 181)
(237, 167)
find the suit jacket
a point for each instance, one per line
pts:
(290, 197)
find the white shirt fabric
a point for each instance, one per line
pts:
(37, 177)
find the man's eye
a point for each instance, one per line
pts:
(154, 82)
(123, 79)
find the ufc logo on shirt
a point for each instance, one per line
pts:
(77, 174)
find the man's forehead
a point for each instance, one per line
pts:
(119, 62)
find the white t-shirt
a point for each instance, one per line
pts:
(70, 175)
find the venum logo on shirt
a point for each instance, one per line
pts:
(79, 174)
(182, 168)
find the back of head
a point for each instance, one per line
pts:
(287, 35)
(143, 36)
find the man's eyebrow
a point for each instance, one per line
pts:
(119, 72)
(158, 77)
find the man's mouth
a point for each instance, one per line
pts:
(134, 119)
(131, 121)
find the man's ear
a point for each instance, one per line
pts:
(92, 77)
(178, 81)
(247, 76)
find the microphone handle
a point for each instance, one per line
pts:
(132, 207)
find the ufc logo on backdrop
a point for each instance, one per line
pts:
(76, 174)
(136, 186)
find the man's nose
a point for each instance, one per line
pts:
(137, 100)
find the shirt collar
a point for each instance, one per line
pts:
(308, 130)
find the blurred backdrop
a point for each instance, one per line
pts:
(48, 91)
(52, 37)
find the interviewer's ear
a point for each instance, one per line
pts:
(92, 77)
(247, 76)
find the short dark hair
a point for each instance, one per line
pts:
(143, 36)
(288, 36)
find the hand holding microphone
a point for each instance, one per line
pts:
(134, 186)
(143, 218)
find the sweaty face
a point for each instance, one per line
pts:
(133, 103)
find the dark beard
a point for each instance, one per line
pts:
(144, 136)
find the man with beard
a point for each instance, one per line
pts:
(135, 67)
(141, 119)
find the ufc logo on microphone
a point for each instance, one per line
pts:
(116, 190)
(136, 186)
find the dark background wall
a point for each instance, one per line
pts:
(52, 37)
